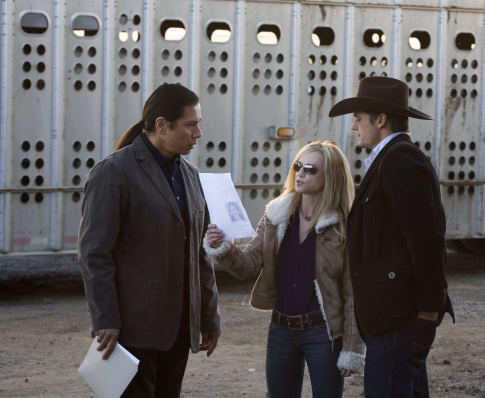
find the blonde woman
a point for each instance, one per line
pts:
(300, 261)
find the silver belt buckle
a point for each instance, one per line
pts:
(298, 325)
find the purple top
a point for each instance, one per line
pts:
(296, 272)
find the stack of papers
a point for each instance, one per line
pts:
(108, 378)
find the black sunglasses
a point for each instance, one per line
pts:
(307, 168)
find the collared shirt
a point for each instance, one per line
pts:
(368, 161)
(171, 170)
(296, 272)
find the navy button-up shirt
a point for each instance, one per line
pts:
(171, 170)
(296, 272)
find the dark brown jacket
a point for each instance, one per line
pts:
(131, 251)
(396, 240)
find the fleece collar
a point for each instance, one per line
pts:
(277, 212)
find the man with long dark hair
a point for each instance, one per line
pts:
(147, 283)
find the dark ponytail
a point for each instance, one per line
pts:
(167, 101)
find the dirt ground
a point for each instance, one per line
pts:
(45, 334)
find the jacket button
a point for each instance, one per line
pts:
(391, 275)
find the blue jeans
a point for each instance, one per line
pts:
(395, 363)
(286, 354)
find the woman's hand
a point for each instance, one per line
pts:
(214, 236)
(345, 372)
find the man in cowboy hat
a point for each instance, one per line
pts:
(396, 241)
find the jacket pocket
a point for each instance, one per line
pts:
(393, 294)
(140, 301)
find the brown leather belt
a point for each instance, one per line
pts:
(297, 322)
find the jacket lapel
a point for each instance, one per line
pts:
(375, 164)
(190, 184)
(155, 174)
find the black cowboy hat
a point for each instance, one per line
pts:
(378, 94)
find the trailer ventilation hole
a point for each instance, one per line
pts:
(34, 23)
(38, 197)
(268, 34)
(76, 197)
(85, 25)
(253, 178)
(419, 40)
(465, 41)
(24, 198)
(253, 194)
(323, 36)
(265, 177)
(374, 38)
(219, 32)
(172, 30)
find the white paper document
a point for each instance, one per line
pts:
(225, 207)
(108, 378)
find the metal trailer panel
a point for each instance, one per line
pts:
(83, 80)
(245, 87)
(321, 74)
(266, 76)
(5, 75)
(419, 69)
(127, 46)
(460, 121)
(29, 158)
(217, 88)
(366, 60)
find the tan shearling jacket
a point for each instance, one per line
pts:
(332, 283)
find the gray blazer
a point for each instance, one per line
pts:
(131, 251)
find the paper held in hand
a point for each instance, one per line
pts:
(225, 207)
(108, 378)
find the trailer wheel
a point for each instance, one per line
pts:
(476, 246)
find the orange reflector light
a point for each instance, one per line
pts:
(285, 132)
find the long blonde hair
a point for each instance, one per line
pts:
(338, 191)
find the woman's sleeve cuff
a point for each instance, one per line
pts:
(351, 361)
(216, 251)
